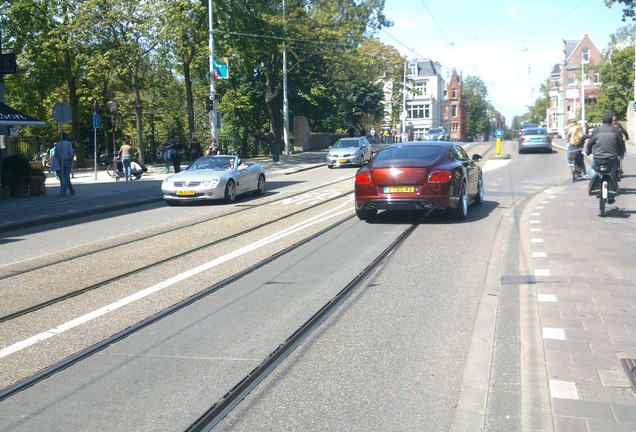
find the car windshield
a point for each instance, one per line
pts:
(407, 156)
(213, 163)
(536, 131)
(434, 131)
(346, 144)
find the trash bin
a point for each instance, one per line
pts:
(275, 151)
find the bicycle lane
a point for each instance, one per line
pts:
(585, 296)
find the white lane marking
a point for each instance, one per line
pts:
(492, 164)
(336, 211)
(546, 298)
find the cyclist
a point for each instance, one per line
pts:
(607, 145)
(576, 148)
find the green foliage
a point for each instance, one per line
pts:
(479, 108)
(628, 10)
(18, 165)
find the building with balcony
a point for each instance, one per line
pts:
(573, 83)
(424, 98)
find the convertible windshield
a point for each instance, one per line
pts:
(407, 156)
(220, 163)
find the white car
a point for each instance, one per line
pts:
(355, 151)
(214, 178)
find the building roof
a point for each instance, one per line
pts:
(426, 67)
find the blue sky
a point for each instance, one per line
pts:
(511, 45)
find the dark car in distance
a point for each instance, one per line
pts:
(419, 176)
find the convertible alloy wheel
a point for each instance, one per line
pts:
(260, 189)
(230, 191)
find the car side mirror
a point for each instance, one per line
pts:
(476, 158)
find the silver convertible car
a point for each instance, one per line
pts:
(214, 178)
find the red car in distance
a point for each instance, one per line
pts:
(419, 176)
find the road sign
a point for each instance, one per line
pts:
(634, 106)
(61, 112)
(498, 133)
(95, 121)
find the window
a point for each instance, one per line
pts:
(586, 78)
(419, 90)
(453, 110)
(412, 69)
(454, 93)
(419, 111)
(585, 55)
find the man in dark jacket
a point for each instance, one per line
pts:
(606, 145)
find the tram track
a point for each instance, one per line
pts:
(220, 409)
(156, 263)
(240, 391)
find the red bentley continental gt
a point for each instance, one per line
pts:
(419, 176)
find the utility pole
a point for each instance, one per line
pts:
(213, 112)
(285, 101)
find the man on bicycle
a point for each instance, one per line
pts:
(607, 145)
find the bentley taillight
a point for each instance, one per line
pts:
(439, 177)
(364, 177)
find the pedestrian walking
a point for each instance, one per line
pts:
(64, 159)
(167, 155)
(177, 153)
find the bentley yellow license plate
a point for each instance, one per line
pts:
(185, 192)
(399, 189)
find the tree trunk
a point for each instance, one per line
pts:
(189, 98)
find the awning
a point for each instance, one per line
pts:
(10, 117)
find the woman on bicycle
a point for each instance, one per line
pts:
(576, 149)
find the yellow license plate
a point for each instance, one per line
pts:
(343, 160)
(399, 189)
(186, 192)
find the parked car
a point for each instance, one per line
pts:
(535, 139)
(436, 134)
(525, 126)
(354, 151)
(214, 178)
(419, 176)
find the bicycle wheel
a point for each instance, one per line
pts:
(601, 206)
(109, 170)
(575, 174)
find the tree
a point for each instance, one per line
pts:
(479, 108)
(538, 111)
(324, 43)
(628, 10)
(129, 29)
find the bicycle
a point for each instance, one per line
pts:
(120, 169)
(577, 171)
(604, 187)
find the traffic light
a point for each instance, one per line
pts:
(210, 105)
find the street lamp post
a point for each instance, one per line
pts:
(152, 133)
(112, 107)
